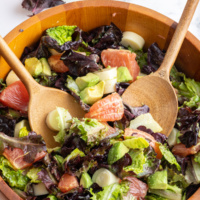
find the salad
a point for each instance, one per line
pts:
(116, 152)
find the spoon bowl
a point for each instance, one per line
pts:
(156, 90)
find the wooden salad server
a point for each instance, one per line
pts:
(42, 99)
(155, 90)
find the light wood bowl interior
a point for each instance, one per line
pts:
(152, 26)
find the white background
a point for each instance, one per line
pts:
(12, 13)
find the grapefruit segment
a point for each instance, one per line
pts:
(120, 57)
(109, 108)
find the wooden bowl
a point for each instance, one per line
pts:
(152, 26)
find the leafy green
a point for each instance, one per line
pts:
(51, 197)
(141, 58)
(138, 160)
(197, 157)
(154, 197)
(114, 191)
(90, 130)
(71, 84)
(2, 85)
(32, 174)
(14, 178)
(75, 153)
(188, 88)
(167, 154)
(158, 180)
(61, 34)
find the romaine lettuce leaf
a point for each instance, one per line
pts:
(32, 174)
(61, 34)
(169, 156)
(112, 192)
(188, 90)
(138, 160)
(14, 178)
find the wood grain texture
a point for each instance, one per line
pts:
(153, 26)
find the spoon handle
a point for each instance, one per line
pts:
(177, 40)
(17, 66)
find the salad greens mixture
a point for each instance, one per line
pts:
(116, 152)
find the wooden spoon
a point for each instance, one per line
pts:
(42, 99)
(156, 90)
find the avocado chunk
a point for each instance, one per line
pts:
(33, 66)
(92, 94)
(46, 70)
(123, 75)
(117, 151)
(87, 81)
(136, 143)
(158, 180)
(86, 180)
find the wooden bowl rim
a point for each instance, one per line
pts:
(4, 188)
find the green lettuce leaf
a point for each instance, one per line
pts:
(114, 191)
(90, 130)
(32, 174)
(167, 154)
(154, 197)
(187, 88)
(197, 157)
(138, 160)
(61, 34)
(13, 178)
(75, 153)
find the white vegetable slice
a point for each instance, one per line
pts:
(103, 177)
(172, 139)
(20, 125)
(11, 78)
(147, 121)
(110, 86)
(107, 73)
(57, 118)
(133, 40)
(39, 189)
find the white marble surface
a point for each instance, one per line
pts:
(12, 14)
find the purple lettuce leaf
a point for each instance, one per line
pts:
(104, 37)
(188, 122)
(121, 87)
(75, 194)
(72, 142)
(155, 57)
(84, 106)
(36, 6)
(47, 179)
(133, 112)
(7, 125)
(159, 137)
(31, 145)
(191, 190)
(78, 64)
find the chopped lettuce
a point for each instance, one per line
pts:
(138, 160)
(197, 157)
(188, 89)
(136, 143)
(112, 192)
(90, 130)
(167, 154)
(61, 34)
(32, 174)
(14, 178)
(154, 197)
(75, 153)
